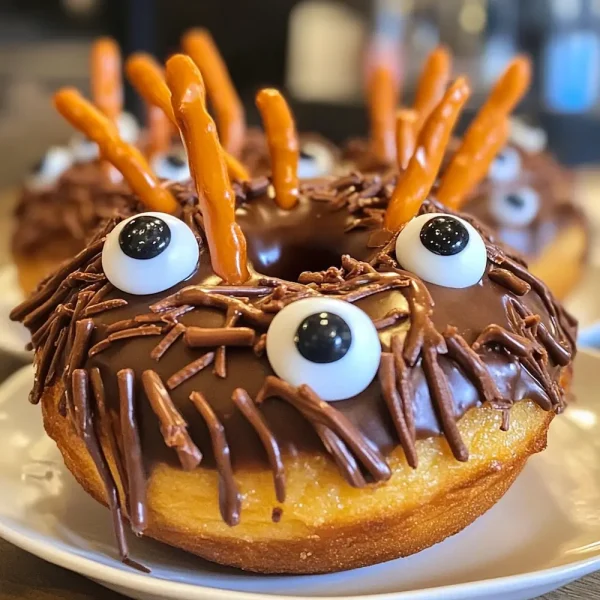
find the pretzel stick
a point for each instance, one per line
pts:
(125, 157)
(414, 185)
(106, 78)
(283, 145)
(209, 171)
(147, 77)
(200, 46)
(432, 85)
(486, 134)
(383, 99)
(406, 120)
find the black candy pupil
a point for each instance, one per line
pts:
(306, 156)
(144, 237)
(175, 160)
(445, 236)
(515, 200)
(323, 338)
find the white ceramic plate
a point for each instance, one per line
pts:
(13, 336)
(543, 534)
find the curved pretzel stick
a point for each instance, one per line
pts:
(406, 138)
(217, 200)
(383, 99)
(125, 157)
(432, 84)
(467, 169)
(106, 78)
(483, 135)
(283, 145)
(160, 131)
(418, 179)
(199, 44)
(147, 77)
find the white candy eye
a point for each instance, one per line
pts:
(330, 345)
(172, 166)
(129, 130)
(443, 250)
(515, 209)
(149, 253)
(49, 169)
(316, 160)
(84, 150)
(506, 166)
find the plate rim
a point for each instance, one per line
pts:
(131, 580)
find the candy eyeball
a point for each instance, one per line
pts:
(129, 130)
(149, 253)
(48, 170)
(316, 160)
(330, 345)
(442, 249)
(506, 166)
(531, 139)
(172, 165)
(84, 150)
(517, 208)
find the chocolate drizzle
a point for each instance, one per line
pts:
(437, 361)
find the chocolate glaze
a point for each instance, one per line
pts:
(512, 344)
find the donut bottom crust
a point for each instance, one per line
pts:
(325, 524)
(561, 265)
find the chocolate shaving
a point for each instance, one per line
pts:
(106, 428)
(391, 318)
(510, 281)
(203, 337)
(77, 355)
(135, 332)
(403, 384)
(57, 357)
(96, 309)
(442, 397)
(85, 425)
(395, 404)
(220, 369)
(229, 496)
(169, 339)
(190, 370)
(99, 347)
(318, 411)
(196, 296)
(25, 309)
(260, 346)
(106, 289)
(514, 343)
(134, 465)
(242, 400)
(472, 365)
(172, 425)
(342, 456)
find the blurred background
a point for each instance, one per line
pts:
(317, 50)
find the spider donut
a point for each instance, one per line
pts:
(207, 377)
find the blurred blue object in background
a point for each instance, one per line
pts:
(571, 71)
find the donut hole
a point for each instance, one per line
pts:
(288, 261)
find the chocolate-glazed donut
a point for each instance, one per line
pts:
(528, 201)
(289, 422)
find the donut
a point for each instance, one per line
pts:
(527, 198)
(70, 192)
(528, 201)
(219, 390)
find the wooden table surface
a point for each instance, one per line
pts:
(25, 577)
